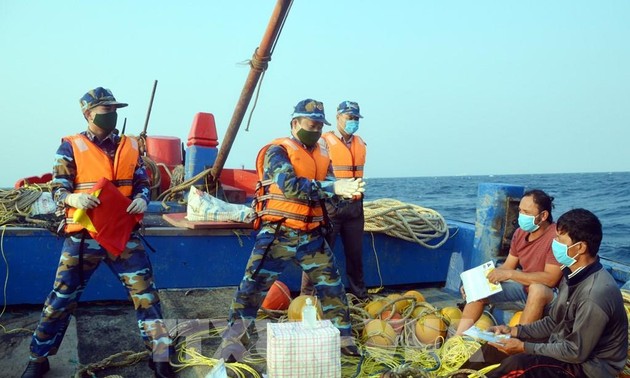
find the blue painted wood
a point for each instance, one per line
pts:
(198, 158)
(489, 225)
(214, 258)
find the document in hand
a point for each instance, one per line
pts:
(479, 334)
(476, 285)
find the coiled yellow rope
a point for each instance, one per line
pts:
(17, 202)
(177, 176)
(174, 191)
(406, 221)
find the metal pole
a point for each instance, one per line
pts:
(262, 54)
(146, 121)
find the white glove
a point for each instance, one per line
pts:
(347, 188)
(137, 206)
(82, 200)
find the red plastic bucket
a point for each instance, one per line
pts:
(166, 150)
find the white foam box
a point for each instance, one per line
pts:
(296, 351)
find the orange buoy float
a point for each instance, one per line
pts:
(399, 305)
(394, 319)
(278, 297)
(379, 333)
(429, 328)
(415, 294)
(422, 308)
(294, 312)
(451, 314)
(374, 307)
(516, 319)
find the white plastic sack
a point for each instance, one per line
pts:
(204, 207)
(43, 205)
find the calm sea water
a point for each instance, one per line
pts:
(455, 197)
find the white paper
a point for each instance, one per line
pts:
(476, 285)
(476, 333)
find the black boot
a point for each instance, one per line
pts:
(350, 351)
(36, 369)
(162, 369)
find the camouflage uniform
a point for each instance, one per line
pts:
(348, 220)
(132, 267)
(307, 249)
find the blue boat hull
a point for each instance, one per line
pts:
(216, 258)
(205, 258)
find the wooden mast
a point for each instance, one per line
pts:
(258, 64)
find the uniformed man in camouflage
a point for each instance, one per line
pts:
(79, 160)
(295, 176)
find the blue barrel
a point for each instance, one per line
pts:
(198, 159)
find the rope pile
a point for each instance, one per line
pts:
(406, 221)
(176, 176)
(15, 204)
(174, 191)
(125, 358)
(406, 357)
(391, 362)
(153, 171)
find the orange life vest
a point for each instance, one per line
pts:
(270, 203)
(93, 164)
(347, 162)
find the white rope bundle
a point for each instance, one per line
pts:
(405, 221)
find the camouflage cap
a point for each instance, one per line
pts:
(349, 107)
(99, 96)
(310, 109)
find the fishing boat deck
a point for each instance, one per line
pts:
(102, 329)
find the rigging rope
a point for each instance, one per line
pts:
(406, 221)
(260, 64)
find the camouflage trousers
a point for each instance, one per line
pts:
(134, 270)
(307, 249)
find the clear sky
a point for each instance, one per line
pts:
(446, 87)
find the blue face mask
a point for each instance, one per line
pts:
(526, 222)
(351, 126)
(561, 253)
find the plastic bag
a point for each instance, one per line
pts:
(43, 205)
(204, 207)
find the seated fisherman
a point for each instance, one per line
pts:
(586, 331)
(531, 287)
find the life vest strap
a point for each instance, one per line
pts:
(279, 197)
(90, 185)
(352, 168)
(301, 218)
